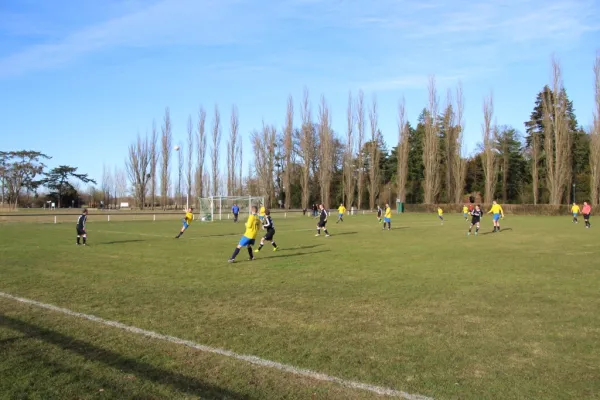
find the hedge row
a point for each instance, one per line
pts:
(518, 209)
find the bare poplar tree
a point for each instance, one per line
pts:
(326, 153)
(138, 168)
(120, 185)
(374, 155)
(263, 144)
(459, 168)
(450, 145)
(180, 167)
(201, 153)
(488, 155)
(306, 147)
(165, 172)
(190, 156)
(153, 163)
(349, 182)
(556, 140)
(595, 139)
(288, 148)
(214, 151)
(232, 151)
(402, 172)
(240, 169)
(431, 186)
(360, 126)
(107, 182)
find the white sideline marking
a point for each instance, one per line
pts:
(227, 353)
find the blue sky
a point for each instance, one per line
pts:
(80, 78)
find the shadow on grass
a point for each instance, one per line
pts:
(179, 382)
(120, 241)
(302, 253)
(344, 233)
(503, 230)
(300, 248)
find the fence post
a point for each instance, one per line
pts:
(108, 218)
(55, 219)
(154, 218)
(285, 215)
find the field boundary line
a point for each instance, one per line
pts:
(227, 353)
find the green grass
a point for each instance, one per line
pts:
(422, 308)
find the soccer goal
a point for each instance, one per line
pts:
(219, 207)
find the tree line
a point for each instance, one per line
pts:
(23, 173)
(555, 161)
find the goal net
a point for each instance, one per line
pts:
(220, 207)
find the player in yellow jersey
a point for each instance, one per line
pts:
(575, 210)
(441, 214)
(466, 212)
(187, 220)
(261, 214)
(498, 213)
(341, 211)
(387, 219)
(252, 228)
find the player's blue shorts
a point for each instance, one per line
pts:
(387, 220)
(246, 241)
(496, 217)
(465, 215)
(185, 224)
(575, 214)
(261, 217)
(340, 215)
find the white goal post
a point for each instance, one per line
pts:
(219, 207)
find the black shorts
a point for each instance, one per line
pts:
(270, 234)
(321, 224)
(586, 216)
(475, 221)
(80, 231)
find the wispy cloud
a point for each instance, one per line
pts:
(167, 22)
(391, 43)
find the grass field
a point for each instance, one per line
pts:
(423, 309)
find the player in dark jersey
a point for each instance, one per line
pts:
(81, 227)
(379, 212)
(475, 220)
(322, 221)
(270, 227)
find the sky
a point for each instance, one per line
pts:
(79, 79)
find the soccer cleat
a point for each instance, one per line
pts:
(274, 248)
(327, 235)
(251, 259)
(231, 261)
(468, 233)
(317, 234)
(257, 250)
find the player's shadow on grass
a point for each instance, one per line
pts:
(301, 247)
(344, 233)
(122, 241)
(302, 253)
(503, 230)
(120, 362)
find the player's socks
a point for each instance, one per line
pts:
(318, 232)
(259, 247)
(274, 245)
(235, 253)
(78, 238)
(84, 240)
(250, 253)
(326, 233)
